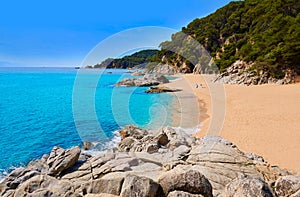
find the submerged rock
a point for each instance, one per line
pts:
(160, 89)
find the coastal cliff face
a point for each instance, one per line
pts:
(166, 162)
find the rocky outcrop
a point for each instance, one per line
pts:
(191, 181)
(139, 186)
(244, 73)
(61, 159)
(163, 69)
(146, 80)
(160, 89)
(138, 73)
(167, 162)
(248, 187)
(198, 69)
(288, 186)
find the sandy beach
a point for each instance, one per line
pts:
(262, 119)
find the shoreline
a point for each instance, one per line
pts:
(184, 114)
(187, 84)
(260, 119)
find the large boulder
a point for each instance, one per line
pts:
(187, 180)
(49, 185)
(132, 131)
(135, 139)
(177, 137)
(248, 187)
(109, 184)
(221, 162)
(287, 185)
(136, 186)
(61, 159)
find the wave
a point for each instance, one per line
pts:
(190, 130)
(5, 172)
(100, 147)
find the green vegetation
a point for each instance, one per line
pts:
(266, 32)
(129, 61)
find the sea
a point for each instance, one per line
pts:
(45, 107)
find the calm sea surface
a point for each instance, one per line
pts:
(36, 110)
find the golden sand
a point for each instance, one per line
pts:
(262, 119)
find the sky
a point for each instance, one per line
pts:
(61, 33)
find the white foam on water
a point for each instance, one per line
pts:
(189, 131)
(116, 139)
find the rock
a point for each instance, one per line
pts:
(248, 187)
(50, 185)
(61, 159)
(191, 181)
(162, 139)
(287, 185)
(183, 166)
(198, 69)
(183, 194)
(146, 80)
(297, 194)
(243, 73)
(164, 69)
(87, 145)
(126, 144)
(133, 131)
(138, 73)
(135, 186)
(160, 89)
(100, 195)
(115, 165)
(177, 138)
(109, 184)
(221, 162)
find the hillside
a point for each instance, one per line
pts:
(262, 33)
(129, 61)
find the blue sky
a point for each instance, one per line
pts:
(61, 33)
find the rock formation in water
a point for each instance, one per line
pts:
(167, 162)
(146, 80)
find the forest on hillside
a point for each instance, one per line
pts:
(265, 32)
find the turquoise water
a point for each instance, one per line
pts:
(36, 111)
